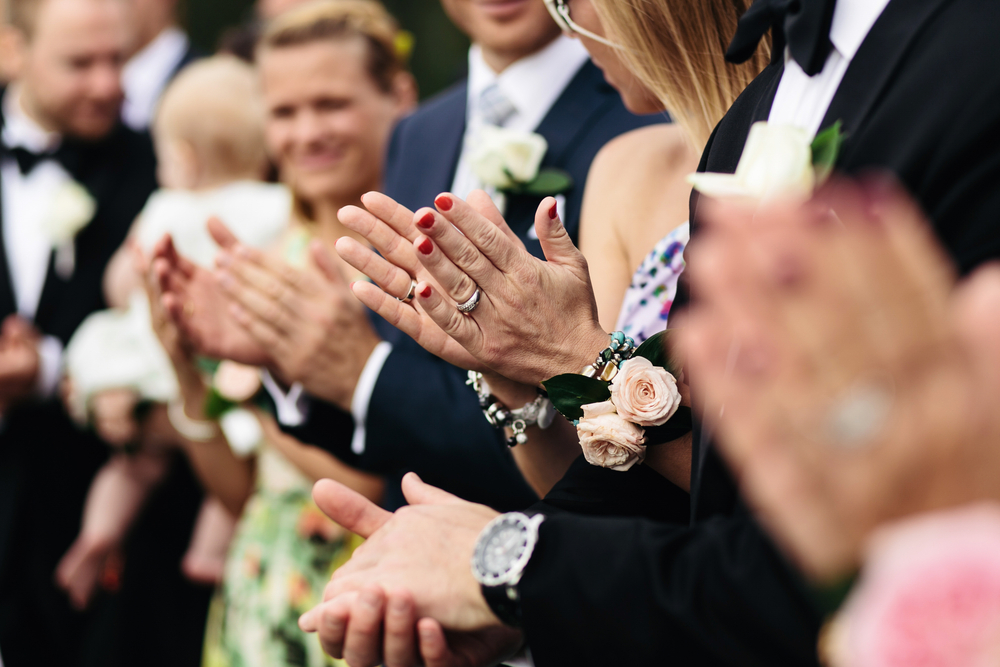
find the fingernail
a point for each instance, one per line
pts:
(554, 211)
(426, 291)
(444, 202)
(427, 221)
(425, 246)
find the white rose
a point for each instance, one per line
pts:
(644, 394)
(70, 210)
(242, 430)
(776, 161)
(608, 440)
(501, 157)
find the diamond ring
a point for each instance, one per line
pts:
(471, 304)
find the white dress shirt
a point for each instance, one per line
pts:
(147, 73)
(28, 250)
(802, 100)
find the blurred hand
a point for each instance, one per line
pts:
(849, 384)
(535, 318)
(314, 329)
(19, 360)
(199, 308)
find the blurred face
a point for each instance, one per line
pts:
(150, 17)
(637, 98)
(512, 29)
(328, 123)
(70, 68)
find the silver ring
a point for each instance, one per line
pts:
(471, 304)
(409, 295)
(860, 413)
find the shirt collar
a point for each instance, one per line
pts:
(852, 21)
(532, 84)
(20, 131)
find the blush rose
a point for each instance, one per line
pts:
(608, 440)
(644, 394)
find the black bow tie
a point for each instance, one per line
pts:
(804, 25)
(28, 160)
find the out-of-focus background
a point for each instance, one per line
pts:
(439, 54)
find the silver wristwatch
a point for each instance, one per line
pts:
(502, 552)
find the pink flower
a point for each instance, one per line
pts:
(608, 440)
(930, 594)
(644, 394)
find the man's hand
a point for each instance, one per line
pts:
(19, 360)
(811, 326)
(314, 329)
(200, 309)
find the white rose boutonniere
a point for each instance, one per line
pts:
(608, 440)
(777, 161)
(71, 209)
(510, 161)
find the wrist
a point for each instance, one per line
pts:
(586, 348)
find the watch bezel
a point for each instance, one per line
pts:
(512, 575)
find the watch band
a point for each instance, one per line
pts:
(505, 603)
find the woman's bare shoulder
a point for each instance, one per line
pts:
(645, 156)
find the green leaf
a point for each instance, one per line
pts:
(826, 149)
(548, 182)
(654, 348)
(569, 392)
(216, 404)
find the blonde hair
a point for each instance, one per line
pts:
(215, 106)
(388, 47)
(676, 48)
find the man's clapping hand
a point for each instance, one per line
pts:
(19, 360)
(414, 565)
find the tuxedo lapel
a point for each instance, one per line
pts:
(572, 112)
(877, 60)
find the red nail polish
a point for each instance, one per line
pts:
(443, 202)
(554, 211)
(427, 221)
(426, 291)
(425, 246)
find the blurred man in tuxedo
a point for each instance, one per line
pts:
(161, 49)
(72, 179)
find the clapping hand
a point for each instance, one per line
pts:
(200, 309)
(19, 361)
(849, 384)
(535, 319)
(421, 555)
(314, 329)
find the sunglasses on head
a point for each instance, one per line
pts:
(560, 14)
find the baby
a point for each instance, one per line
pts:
(209, 140)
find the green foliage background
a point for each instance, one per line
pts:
(439, 55)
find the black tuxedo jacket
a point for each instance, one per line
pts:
(422, 416)
(921, 99)
(46, 463)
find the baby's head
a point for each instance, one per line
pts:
(209, 127)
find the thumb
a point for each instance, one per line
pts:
(326, 263)
(553, 237)
(418, 493)
(349, 508)
(221, 234)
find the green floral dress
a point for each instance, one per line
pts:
(281, 558)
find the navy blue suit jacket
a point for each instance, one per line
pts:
(422, 417)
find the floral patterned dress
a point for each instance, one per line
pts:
(281, 558)
(654, 286)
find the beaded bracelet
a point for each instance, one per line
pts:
(539, 412)
(619, 350)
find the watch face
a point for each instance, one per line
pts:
(501, 548)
